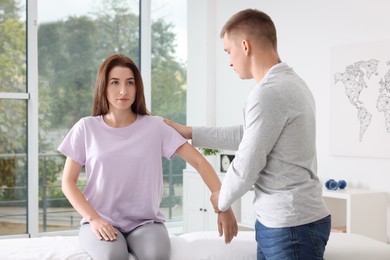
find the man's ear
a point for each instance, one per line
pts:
(245, 47)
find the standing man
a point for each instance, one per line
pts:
(276, 145)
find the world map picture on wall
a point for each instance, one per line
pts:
(360, 100)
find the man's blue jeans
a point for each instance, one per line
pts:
(305, 242)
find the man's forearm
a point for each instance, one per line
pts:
(227, 138)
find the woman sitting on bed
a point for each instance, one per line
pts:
(121, 146)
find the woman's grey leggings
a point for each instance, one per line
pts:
(146, 242)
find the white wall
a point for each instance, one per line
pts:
(306, 31)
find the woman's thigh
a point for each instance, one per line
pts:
(101, 249)
(150, 242)
(305, 242)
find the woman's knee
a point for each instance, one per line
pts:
(152, 253)
(109, 254)
(101, 249)
(106, 250)
(150, 242)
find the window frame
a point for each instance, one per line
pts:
(31, 96)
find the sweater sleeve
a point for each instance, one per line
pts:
(265, 118)
(227, 138)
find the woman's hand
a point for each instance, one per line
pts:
(103, 230)
(227, 225)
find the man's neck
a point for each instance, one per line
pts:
(263, 65)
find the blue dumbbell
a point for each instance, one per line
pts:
(342, 184)
(331, 184)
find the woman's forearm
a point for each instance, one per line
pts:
(74, 195)
(188, 153)
(78, 201)
(208, 174)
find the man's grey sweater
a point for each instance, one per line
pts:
(276, 152)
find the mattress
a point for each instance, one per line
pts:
(205, 245)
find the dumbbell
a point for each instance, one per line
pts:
(331, 184)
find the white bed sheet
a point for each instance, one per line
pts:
(342, 246)
(43, 248)
(192, 246)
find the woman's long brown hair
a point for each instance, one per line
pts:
(101, 105)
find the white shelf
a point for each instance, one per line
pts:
(359, 211)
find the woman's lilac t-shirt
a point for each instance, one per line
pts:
(123, 167)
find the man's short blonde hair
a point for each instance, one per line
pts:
(252, 23)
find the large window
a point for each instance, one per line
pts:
(168, 97)
(71, 44)
(13, 115)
